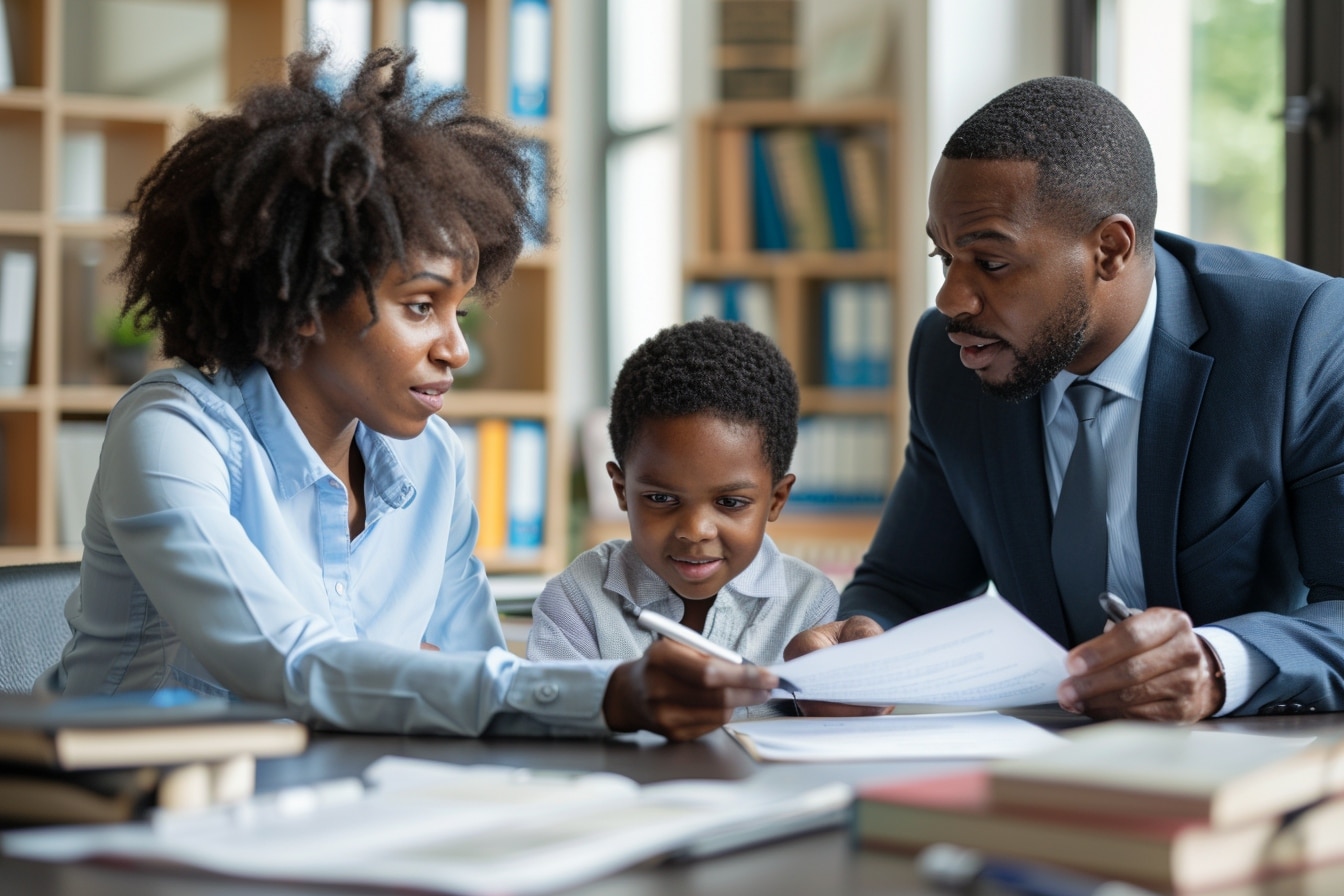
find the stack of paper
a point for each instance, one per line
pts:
(455, 829)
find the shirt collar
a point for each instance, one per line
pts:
(1122, 372)
(297, 466)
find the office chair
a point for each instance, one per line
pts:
(32, 620)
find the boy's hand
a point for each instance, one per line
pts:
(828, 635)
(680, 693)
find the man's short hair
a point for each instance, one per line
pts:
(1092, 156)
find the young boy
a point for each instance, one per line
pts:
(704, 419)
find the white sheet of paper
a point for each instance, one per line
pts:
(962, 735)
(981, 653)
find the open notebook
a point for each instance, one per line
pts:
(454, 829)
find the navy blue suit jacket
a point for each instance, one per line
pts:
(1241, 474)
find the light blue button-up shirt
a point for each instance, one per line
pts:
(217, 557)
(1124, 372)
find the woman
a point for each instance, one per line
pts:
(283, 516)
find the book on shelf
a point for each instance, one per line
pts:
(808, 188)
(437, 31)
(842, 463)
(529, 58)
(856, 334)
(834, 189)
(7, 72)
(526, 490)
(748, 301)
(492, 434)
(767, 208)
(33, 796)
(865, 182)
(732, 202)
(1144, 846)
(83, 169)
(757, 56)
(1219, 778)
(140, 728)
(79, 443)
(794, 159)
(18, 300)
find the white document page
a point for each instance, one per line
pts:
(964, 735)
(981, 653)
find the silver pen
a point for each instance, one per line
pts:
(1116, 609)
(660, 624)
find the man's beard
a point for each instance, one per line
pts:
(1053, 348)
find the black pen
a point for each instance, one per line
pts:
(1116, 609)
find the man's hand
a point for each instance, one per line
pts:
(828, 635)
(680, 693)
(1151, 666)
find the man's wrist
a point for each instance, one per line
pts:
(1217, 675)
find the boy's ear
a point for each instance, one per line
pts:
(780, 496)
(617, 482)
(308, 329)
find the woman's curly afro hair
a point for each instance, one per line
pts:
(260, 221)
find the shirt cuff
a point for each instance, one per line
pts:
(1245, 669)
(567, 695)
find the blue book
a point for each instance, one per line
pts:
(526, 489)
(833, 187)
(530, 58)
(771, 231)
(877, 335)
(844, 309)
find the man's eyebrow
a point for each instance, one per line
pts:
(976, 236)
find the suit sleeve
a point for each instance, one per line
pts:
(923, 556)
(1307, 642)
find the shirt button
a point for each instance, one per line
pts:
(340, 588)
(546, 693)
(333, 483)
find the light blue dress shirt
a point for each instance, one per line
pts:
(217, 557)
(1123, 372)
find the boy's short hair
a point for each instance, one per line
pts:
(722, 368)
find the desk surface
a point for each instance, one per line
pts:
(813, 864)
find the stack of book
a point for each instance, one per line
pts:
(757, 57)
(1174, 808)
(103, 759)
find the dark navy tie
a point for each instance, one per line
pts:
(1079, 542)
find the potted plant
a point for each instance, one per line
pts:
(128, 346)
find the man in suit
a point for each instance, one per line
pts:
(1220, 425)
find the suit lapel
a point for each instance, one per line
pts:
(1172, 393)
(1014, 445)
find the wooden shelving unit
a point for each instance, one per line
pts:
(68, 379)
(797, 281)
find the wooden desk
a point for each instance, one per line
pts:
(822, 863)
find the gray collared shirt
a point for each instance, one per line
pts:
(579, 614)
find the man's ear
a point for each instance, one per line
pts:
(617, 482)
(308, 329)
(1115, 245)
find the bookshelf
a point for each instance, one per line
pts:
(828, 522)
(52, 103)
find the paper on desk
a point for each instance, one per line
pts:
(465, 830)
(963, 735)
(981, 653)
